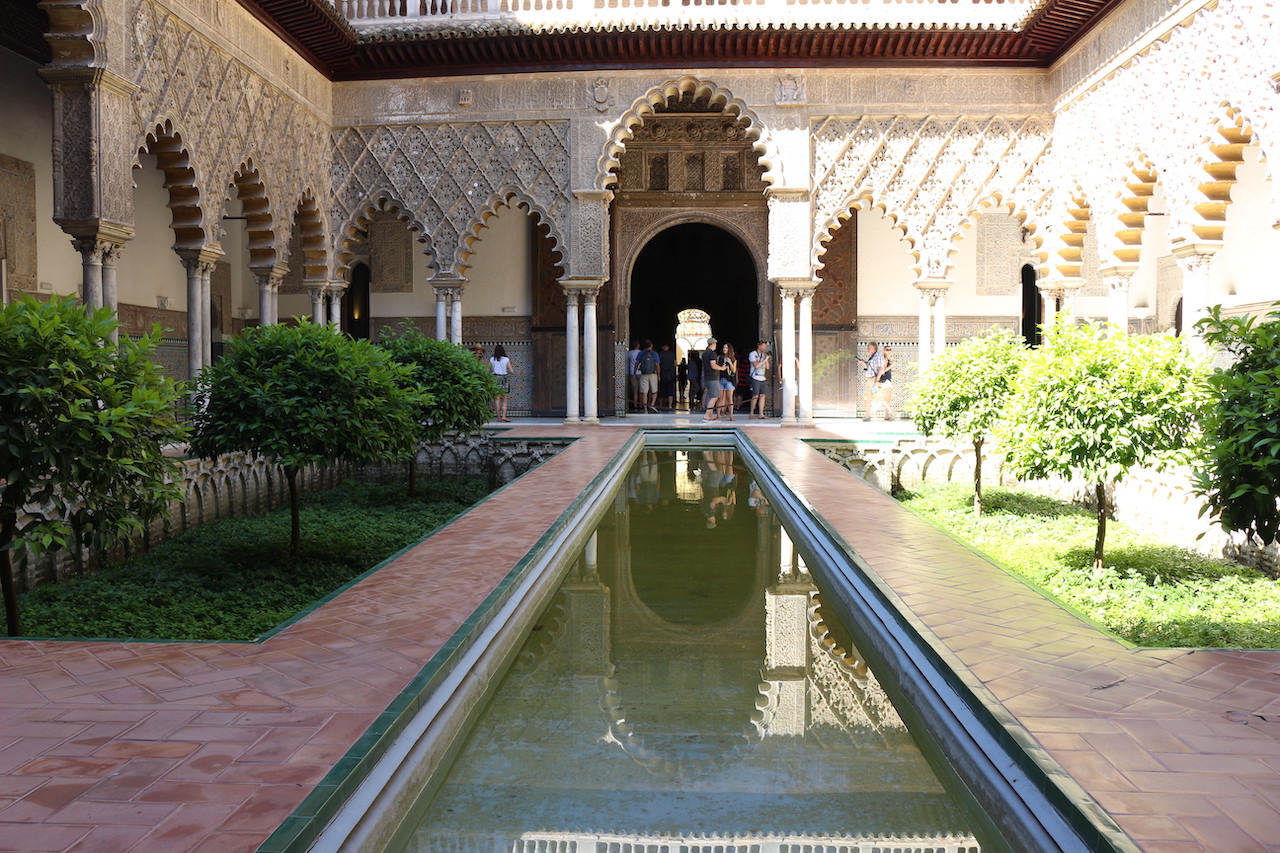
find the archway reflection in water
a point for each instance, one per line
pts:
(686, 691)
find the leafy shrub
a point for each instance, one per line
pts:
(1150, 593)
(234, 579)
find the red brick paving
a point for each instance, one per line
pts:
(174, 747)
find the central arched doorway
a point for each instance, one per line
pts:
(695, 265)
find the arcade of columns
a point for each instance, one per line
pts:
(552, 146)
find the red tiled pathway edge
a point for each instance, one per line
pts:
(176, 747)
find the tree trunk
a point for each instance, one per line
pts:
(977, 477)
(413, 475)
(11, 615)
(295, 533)
(1100, 495)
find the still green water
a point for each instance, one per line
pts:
(685, 692)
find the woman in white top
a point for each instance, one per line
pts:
(501, 367)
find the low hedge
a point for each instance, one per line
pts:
(1150, 593)
(234, 579)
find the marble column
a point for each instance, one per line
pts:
(1117, 277)
(925, 303)
(90, 249)
(455, 316)
(787, 355)
(442, 312)
(206, 309)
(110, 297)
(317, 305)
(263, 280)
(1049, 298)
(195, 324)
(939, 298)
(804, 384)
(572, 346)
(336, 290)
(590, 358)
(1195, 261)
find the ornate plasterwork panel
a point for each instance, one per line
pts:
(447, 176)
(1164, 107)
(1001, 253)
(929, 174)
(227, 116)
(18, 222)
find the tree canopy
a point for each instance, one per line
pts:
(1097, 403)
(461, 388)
(302, 395)
(1240, 478)
(83, 426)
(963, 393)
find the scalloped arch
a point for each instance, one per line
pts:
(382, 201)
(864, 200)
(511, 197)
(259, 213)
(181, 180)
(1025, 218)
(643, 107)
(309, 221)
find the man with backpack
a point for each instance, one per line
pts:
(647, 370)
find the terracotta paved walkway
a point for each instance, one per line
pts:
(177, 747)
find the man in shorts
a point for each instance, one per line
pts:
(760, 361)
(647, 365)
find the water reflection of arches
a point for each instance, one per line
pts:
(759, 727)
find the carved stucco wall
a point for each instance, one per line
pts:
(18, 222)
(1164, 105)
(447, 177)
(930, 174)
(228, 114)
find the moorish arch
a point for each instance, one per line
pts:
(355, 232)
(515, 199)
(677, 89)
(256, 205)
(173, 159)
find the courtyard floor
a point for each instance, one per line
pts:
(172, 747)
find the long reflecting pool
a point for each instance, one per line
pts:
(686, 691)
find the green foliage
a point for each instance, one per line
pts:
(963, 393)
(1096, 402)
(1150, 593)
(461, 388)
(1241, 477)
(302, 395)
(234, 579)
(83, 425)
(1099, 404)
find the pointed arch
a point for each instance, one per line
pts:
(645, 106)
(182, 184)
(517, 200)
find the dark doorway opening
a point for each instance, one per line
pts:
(355, 303)
(695, 265)
(1032, 307)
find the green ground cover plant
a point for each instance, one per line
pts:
(235, 579)
(1148, 592)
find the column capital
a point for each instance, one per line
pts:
(791, 288)
(932, 287)
(1191, 256)
(1116, 276)
(201, 259)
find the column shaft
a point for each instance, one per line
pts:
(442, 309)
(455, 317)
(335, 308)
(206, 311)
(924, 357)
(590, 360)
(195, 333)
(787, 357)
(939, 325)
(573, 346)
(110, 299)
(804, 386)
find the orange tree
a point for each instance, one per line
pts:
(83, 425)
(304, 395)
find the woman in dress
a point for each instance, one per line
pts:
(501, 367)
